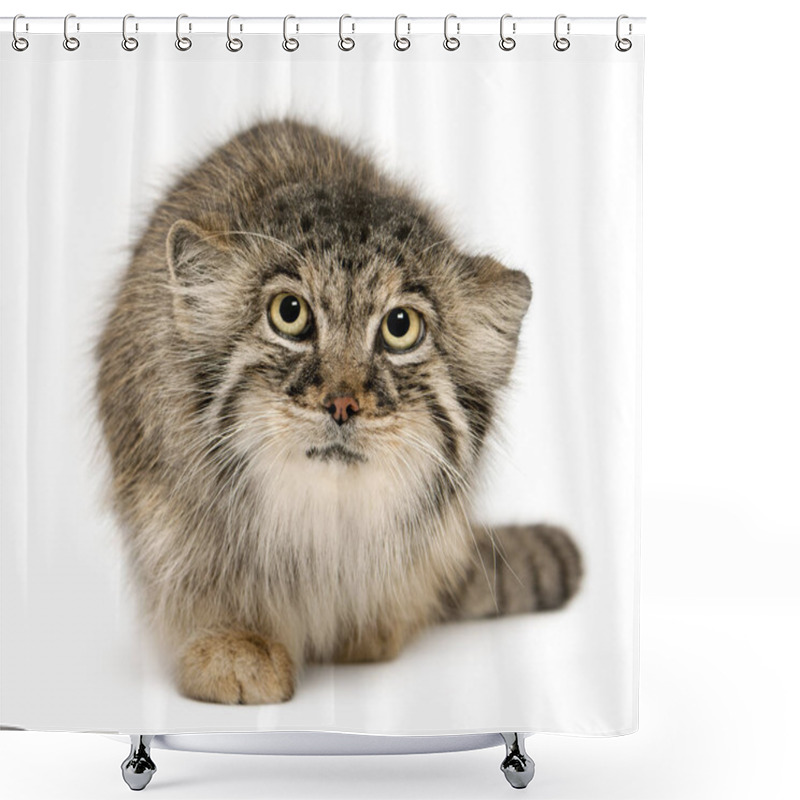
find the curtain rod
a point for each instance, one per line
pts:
(325, 25)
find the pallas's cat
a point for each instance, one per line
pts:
(295, 386)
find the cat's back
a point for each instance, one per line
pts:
(241, 175)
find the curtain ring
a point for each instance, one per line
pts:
(289, 44)
(506, 42)
(561, 43)
(129, 43)
(623, 45)
(19, 43)
(70, 42)
(345, 42)
(183, 43)
(451, 42)
(234, 45)
(401, 42)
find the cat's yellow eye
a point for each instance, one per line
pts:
(289, 315)
(402, 328)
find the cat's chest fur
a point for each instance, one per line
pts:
(341, 549)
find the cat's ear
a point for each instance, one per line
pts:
(504, 294)
(498, 298)
(199, 264)
(192, 254)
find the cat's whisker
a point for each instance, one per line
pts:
(265, 237)
(431, 246)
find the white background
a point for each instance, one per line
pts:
(721, 531)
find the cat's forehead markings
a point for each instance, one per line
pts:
(272, 271)
(416, 287)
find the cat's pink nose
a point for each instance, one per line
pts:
(342, 408)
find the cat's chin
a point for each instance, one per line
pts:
(335, 453)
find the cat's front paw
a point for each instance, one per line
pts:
(236, 667)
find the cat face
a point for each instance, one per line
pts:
(345, 335)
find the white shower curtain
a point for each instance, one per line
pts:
(533, 154)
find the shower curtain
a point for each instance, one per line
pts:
(527, 145)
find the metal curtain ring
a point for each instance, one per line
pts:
(233, 44)
(19, 43)
(181, 42)
(345, 42)
(623, 45)
(70, 42)
(289, 44)
(401, 42)
(506, 42)
(129, 43)
(561, 43)
(451, 42)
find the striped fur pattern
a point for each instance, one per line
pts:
(525, 567)
(261, 534)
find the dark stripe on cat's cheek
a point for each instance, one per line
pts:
(227, 413)
(226, 416)
(209, 371)
(438, 490)
(305, 377)
(475, 403)
(208, 374)
(445, 425)
(230, 465)
(377, 384)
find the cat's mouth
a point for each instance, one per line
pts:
(335, 452)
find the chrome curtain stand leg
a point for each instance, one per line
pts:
(517, 766)
(138, 768)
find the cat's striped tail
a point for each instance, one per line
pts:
(514, 570)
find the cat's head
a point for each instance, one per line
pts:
(343, 331)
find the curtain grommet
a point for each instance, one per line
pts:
(561, 43)
(401, 43)
(183, 43)
(623, 44)
(451, 43)
(507, 43)
(346, 43)
(71, 43)
(129, 43)
(19, 43)
(234, 45)
(289, 44)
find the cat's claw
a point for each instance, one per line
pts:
(138, 768)
(517, 766)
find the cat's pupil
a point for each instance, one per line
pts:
(398, 323)
(289, 309)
